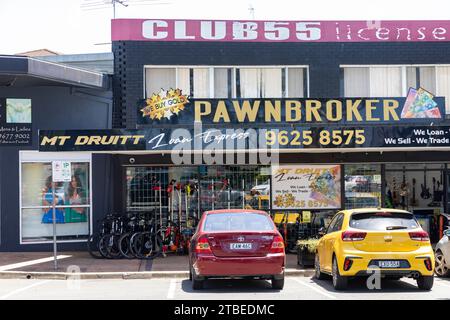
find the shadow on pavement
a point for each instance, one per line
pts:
(446, 279)
(359, 285)
(227, 285)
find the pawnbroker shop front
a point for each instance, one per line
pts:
(301, 127)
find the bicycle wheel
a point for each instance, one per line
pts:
(109, 246)
(131, 244)
(143, 245)
(114, 249)
(124, 246)
(103, 246)
(92, 246)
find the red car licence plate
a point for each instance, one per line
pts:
(240, 246)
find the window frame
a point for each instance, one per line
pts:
(403, 72)
(31, 156)
(233, 67)
(334, 221)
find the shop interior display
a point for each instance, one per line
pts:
(362, 186)
(164, 204)
(418, 188)
(415, 188)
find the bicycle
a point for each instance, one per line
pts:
(109, 243)
(94, 239)
(134, 225)
(146, 244)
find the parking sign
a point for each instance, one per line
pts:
(62, 171)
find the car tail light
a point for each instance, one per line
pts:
(353, 236)
(203, 246)
(277, 245)
(347, 264)
(428, 264)
(419, 236)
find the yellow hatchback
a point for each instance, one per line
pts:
(359, 241)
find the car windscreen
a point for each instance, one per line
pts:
(217, 222)
(382, 221)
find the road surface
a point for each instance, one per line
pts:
(297, 288)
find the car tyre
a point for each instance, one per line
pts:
(278, 284)
(425, 282)
(339, 282)
(197, 284)
(441, 269)
(317, 273)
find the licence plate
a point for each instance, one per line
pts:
(389, 264)
(240, 246)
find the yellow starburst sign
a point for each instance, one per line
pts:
(164, 104)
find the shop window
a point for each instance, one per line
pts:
(424, 77)
(183, 81)
(387, 81)
(157, 78)
(356, 82)
(373, 82)
(201, 83)
(234, 187)
(443, 85)
(223, 83)
(362, 186)
(260, 82)
(418, 188)
(427, 78)
(415, 187)
(166, 78)
(180, 192)
(377, 81)
(296, 82)
(72, 199)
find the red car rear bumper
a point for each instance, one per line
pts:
(212, 266)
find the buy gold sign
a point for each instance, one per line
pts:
(164, 104)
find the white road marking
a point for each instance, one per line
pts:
(315, 289)
(31, 262)
(172, 287)
(442, 283)
(6, 296)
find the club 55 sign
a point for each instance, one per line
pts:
(278, 31)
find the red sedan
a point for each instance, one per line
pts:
(236, 244)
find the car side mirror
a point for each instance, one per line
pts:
(322, 231)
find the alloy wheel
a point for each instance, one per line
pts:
(334, 272)
(317, 266)
(440, 268)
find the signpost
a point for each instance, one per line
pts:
(61, 172)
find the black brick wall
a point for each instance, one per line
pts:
(323, 60)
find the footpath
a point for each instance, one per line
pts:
(80, 265)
